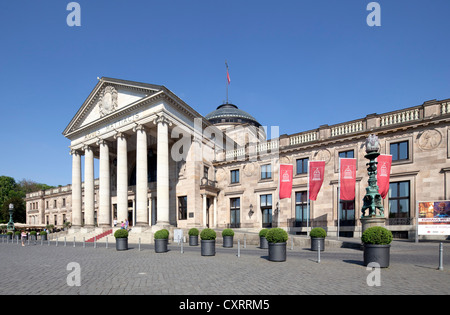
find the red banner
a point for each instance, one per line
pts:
(286, 172)
(316, 174)
(384, 174)
(347, 179)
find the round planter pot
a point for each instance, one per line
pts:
(208, 247)
(193, 240)
(379, 254)
(161, 245)
(8, 237)
(121, 243)
(315, 241)
(44, 237)
(277, 251)
(228, 241)
(263, 243)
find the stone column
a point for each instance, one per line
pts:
(162, 166)
(204, 209)
(141, 177)
(104, 207)
(215, 211)
(76, 189)
(88, 187)
(122, 177)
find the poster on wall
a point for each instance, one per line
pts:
(434, 218)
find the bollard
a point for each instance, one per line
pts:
(239, 248)
(56, 242)
(245, 241)
(139, 244)
(318, 252)
(84, 242)
(95, 242)
(107, 242)
(182, 247)
(292, 243)
(64, 241)
(74, 241)
(441, 258)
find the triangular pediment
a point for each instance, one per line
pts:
(108, 96)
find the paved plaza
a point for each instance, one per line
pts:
(50, 269)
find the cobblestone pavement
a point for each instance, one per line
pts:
(37, 269)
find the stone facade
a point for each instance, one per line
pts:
(163, 164)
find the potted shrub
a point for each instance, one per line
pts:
(377, 240)
(193, 237)
(161, 241)
(227, 235)
(277, 238)
(208, 242)
(318, 235)
(43, 235)
(262, 239)
(33, 235)
(17, 235)
(121, 236)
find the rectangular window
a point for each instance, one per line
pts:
(235, 212)
(399, 203)
(266, 171)
(301, 208)
(399, 151)
(205, 172)
(350, 154)
(234, 176)
(266, 209)
(302, 166)
(182, 208)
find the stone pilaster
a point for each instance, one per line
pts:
(104, 208)
(141, 177)
(76, 189)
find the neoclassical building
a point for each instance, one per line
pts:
(162, 164)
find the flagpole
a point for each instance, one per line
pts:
(227, 82)
(339, 200)
(307, 203)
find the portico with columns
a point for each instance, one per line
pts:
(125, 124)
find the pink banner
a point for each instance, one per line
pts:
(316, 175)
(383, 174)
(286, 172)
(347, 179)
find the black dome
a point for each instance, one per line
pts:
(231, 113)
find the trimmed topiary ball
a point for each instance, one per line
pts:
(276, 235)
(263, 232)
(121, 233)
(161, 234)
(318, 232)
(228, 232)
(193, 232)
(208, 235)
(377, 235)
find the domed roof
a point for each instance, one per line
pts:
(226, 113)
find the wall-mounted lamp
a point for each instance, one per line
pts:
(250, 212)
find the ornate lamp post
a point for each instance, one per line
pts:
(10, 226)
(372, 199)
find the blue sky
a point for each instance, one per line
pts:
(295, 64)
